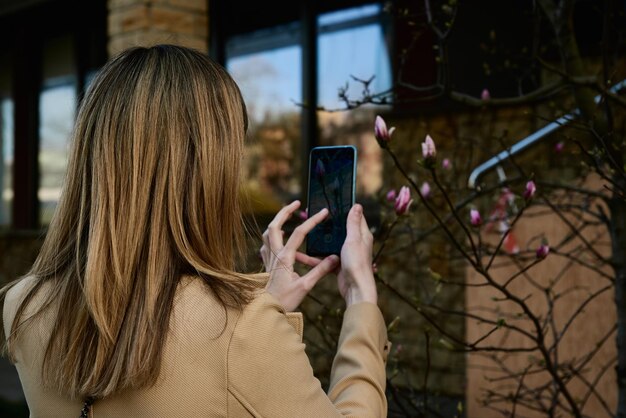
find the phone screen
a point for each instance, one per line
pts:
(332, 172)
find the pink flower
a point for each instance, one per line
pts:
(475, 218)
(425, 190)
(446, 164)
(391, 195)
(403, 201)
(558, 147)
(429, 151)
(303, 215)
(380, 131)
(542, 251)
(530, 190)
(485, 95)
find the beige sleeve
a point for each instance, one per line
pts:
(269, 373)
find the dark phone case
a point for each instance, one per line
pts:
(320, 243)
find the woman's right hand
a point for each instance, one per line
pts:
(356, 276)
(288, 287)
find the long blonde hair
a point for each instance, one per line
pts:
(151, 194)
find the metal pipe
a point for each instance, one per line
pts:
(531, 139)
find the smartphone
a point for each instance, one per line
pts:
(332, 185)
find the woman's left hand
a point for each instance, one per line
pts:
(284, 283)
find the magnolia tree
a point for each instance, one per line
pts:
(513, 309)
(542, 351)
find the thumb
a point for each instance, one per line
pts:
(353, 226)
(326, 266)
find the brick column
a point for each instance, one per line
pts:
(150, 22)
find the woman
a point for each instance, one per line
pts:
(134, 308)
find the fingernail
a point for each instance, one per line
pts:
(358, 208)
(323, 210)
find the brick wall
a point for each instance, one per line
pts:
(150, 22)
(574, 284)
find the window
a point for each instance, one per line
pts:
(351, 44)
(267, 65)
(267, 68)
(6, 142)
(39, 93)
(57, 106)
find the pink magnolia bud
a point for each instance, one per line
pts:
(475, 218)
(485, 95)
(429, 151)
(303, 215)
(380, 131)
(425, 190)
(530, 190)
(542, 251)
(558, 147)
(391, 195)
(446, 164)
(403, 201)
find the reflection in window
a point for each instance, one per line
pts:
(6, 140)
(352, 43)
(271, 84)
(57, 106)
(6, 160)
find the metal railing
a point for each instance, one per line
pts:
(496, 161)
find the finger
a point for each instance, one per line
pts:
(366, 234)
(353, 224)
(274, 229)
(307, 260)
(264, 254)
(298, 234)
(326, 266)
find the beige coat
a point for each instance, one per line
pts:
(255, 366)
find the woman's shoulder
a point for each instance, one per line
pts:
(14, 296)
(197, 306)
(18, 290)
(19, 287)
(197, 292)
(197, 310)
(264, 315)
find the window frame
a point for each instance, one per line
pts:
(309, 31)
(26, 29)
